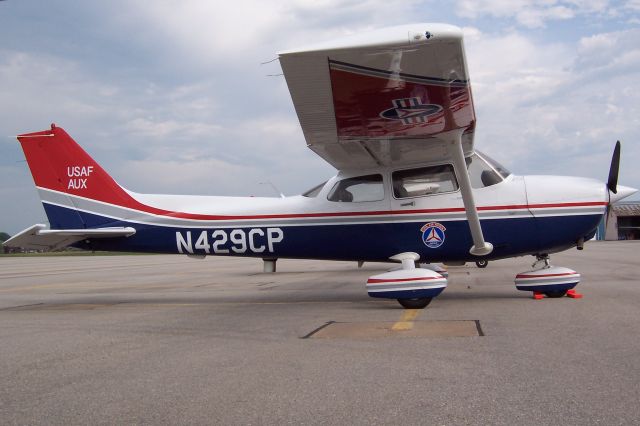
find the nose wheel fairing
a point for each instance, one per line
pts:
(553, 281)
(550, 279)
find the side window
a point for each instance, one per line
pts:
(358, 189)
(424, 181)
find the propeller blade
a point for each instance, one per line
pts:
(612, 182)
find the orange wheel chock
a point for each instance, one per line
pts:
(572, 294)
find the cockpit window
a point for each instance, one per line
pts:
(358, 189)
(313, 192)
(424, 181)
(502, 171)
(481, 174)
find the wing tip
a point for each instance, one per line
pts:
(383, 37)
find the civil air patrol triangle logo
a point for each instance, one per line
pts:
(410, 111)
(433, 234)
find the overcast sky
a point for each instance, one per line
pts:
(171, 96)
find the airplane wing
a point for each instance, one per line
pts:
(38, 237)
(392, 97)
(387, 97)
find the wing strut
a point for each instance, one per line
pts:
(480, 246)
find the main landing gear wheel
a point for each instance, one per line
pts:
(482, 263)
(419, 303)
(555, 294)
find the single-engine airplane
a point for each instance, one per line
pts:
(392, 111)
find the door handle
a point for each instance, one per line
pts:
(410, 203)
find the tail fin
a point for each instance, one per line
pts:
(66, 176)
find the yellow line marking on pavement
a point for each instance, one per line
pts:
(406, 321)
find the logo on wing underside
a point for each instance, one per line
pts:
(410, 111)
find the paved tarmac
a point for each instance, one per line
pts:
(172, 340)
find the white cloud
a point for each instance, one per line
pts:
(613, 52)
(559, 108)
(37, 89)
(536, 18)
(269, 148)
(243, 32)
(632, 5)
(533, 13)
(153, 129)
(188, 175)
(588, 6)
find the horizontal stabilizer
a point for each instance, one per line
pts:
(38, 237)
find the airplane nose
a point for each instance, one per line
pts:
(623, 192)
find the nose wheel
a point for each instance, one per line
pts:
(418, 303)
(555, 294)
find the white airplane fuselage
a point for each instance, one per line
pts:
(519, 215)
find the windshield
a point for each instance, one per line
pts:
(481, 174)
(503, 171)
(313, 192)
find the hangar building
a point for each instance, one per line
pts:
(623, 222)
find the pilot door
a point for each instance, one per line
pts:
(428, 200)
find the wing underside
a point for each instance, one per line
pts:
(389, 97)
